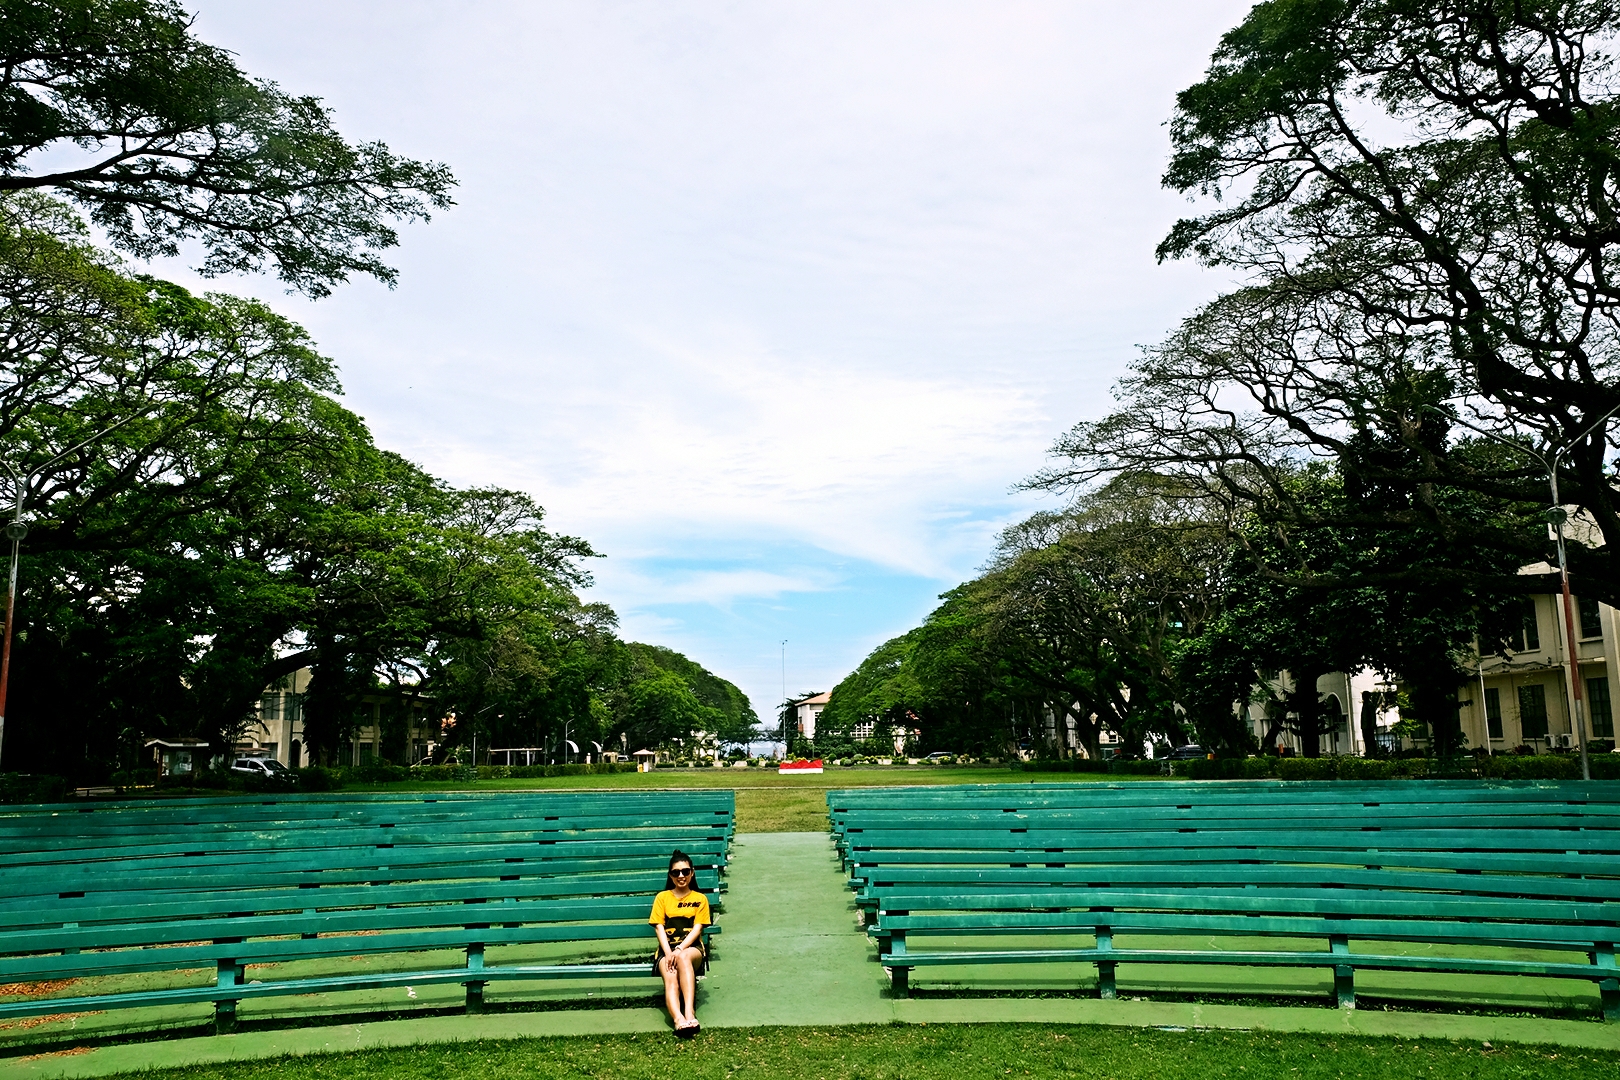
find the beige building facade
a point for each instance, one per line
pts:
(277, 730)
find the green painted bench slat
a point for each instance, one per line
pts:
(146, 906)
(1205, 875)
(1509, 934)
(864, 863)
(333, 984)
(36, 888)
(1460, 965)
(230, 884)
(1486, 865)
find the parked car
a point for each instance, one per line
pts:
(430, 761)
(1188, 753)
(263, 768)
(939, 755)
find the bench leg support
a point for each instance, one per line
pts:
(227, 975)
(1609, 988)
(1105, 968)
(475, 990)
(899, 974)
(1344, 976)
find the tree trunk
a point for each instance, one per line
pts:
(1306, 704)
(1371, 702)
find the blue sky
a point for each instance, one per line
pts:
(772, 302)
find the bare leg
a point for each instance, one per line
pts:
(672, 994)
(688, 983)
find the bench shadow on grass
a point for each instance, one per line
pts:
(54, 1032)
(58, 1041)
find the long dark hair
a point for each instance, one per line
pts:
(679, 857)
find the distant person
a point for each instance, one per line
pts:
(679, 914)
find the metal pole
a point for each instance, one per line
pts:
(5, 654)
(1551, 465)
(1484, 718)
(1571, 642)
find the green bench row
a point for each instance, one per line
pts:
(1500, 867)
(315, 884)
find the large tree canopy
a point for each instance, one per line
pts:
(1421, 199)
(161, 138)
(233, 522)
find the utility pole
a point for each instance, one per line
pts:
(784, 699)
(1557, 516)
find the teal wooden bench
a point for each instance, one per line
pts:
(1497, 867)
(232, 886)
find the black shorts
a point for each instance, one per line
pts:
(699, 968)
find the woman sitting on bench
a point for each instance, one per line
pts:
(679, 915)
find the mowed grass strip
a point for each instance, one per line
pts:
(963, 1052)
(766, 800)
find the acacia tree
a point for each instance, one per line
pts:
(116, 106)
(1423, 202)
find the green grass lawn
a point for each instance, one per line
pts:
(962, 1052)
(766, 801)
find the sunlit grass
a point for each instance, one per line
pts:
(766, 800)
(962, 1052)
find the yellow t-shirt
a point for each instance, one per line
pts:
(679, 915)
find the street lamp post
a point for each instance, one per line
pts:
(1558, 515)
(16, 531)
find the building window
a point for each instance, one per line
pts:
(1597, 699)
(1493, 712)
(1533, 712)
(270, 708)
(294, 704)
(1531, 632)
(1591, 621)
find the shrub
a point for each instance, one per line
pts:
(1539, 767)
(143, 777)
(31, 788)
(377, 773)
(319, 778)
(1135, 767)
(1116, 766)
(534, 772)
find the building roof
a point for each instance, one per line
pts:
(818, 699)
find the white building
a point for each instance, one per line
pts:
(807, 712)
(277, 729)
(1527, 699)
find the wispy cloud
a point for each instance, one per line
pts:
(794, 284)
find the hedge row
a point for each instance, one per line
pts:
(388, 774)
(1345, 767)
(1113, 766)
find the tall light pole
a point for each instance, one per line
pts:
(1557, 514)
(16, 530)
(784, 699)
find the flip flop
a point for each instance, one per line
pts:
(686, 1032)
(695, 1028)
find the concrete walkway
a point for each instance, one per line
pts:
(791, 955)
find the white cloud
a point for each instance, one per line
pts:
(716, 588)
(832, 273)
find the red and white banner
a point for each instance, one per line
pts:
(801, 766)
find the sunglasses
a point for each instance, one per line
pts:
(681, 871)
